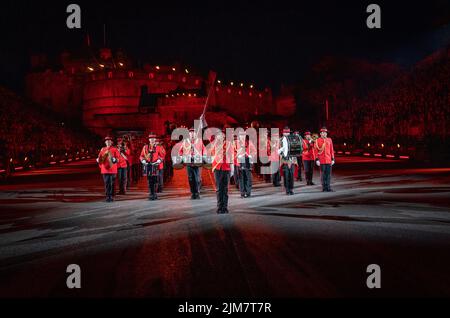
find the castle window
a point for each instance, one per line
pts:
(130, 74)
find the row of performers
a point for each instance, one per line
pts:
(241, 152)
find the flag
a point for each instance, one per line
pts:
(211, 79)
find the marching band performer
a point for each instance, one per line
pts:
(308, 157)
(162, 167)
(222, 169)
(107, 160)
(245, 150)
(123, 165)
(287, 162)
(274, 145)
(151, 157)
(299, 161)
(192, 148)
(324, 153)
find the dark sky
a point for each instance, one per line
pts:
(267, 43)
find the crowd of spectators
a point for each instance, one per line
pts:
(31, 136)
(411, 111)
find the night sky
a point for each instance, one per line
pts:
(267, 43)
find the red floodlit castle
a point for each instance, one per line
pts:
(108, 93)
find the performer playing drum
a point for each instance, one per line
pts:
(291, 147)
(151, 159)
(245, 152)
(192, 151)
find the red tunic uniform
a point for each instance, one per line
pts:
(308, 150)
(220, 155)
(124, 158)
(148, 156)
(242, 150)
(188, 148)
(105, 160)
(323, 150)
(163, 153)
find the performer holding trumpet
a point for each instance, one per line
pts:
(107, 160)
(151, 158)
(308, 158)
(191, 152)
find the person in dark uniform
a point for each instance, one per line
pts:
(151, 157)
(288, 163)
(298, 176)
(275, 161)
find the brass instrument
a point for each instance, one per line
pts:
(106, 157)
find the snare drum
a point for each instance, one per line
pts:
(193, 161)
(150, 169)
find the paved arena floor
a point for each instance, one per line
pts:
(391, 213)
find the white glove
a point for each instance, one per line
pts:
(158, 161)
(96, 160)
(114, 160)
(332, 162)
(143, 161)
(231, 170)
(318, 163)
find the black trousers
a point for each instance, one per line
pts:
(122, 174)
(309, 169)
(237, 177)
(152, 183)
(108, 179)
(222, 178)
(194, 179)
(136, 172)
(245, 181)
(276, 178)
(288, 176)
(299, 170)
(128, 175)
(325, 176)
(160, 179)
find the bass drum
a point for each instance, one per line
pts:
(295, 145)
